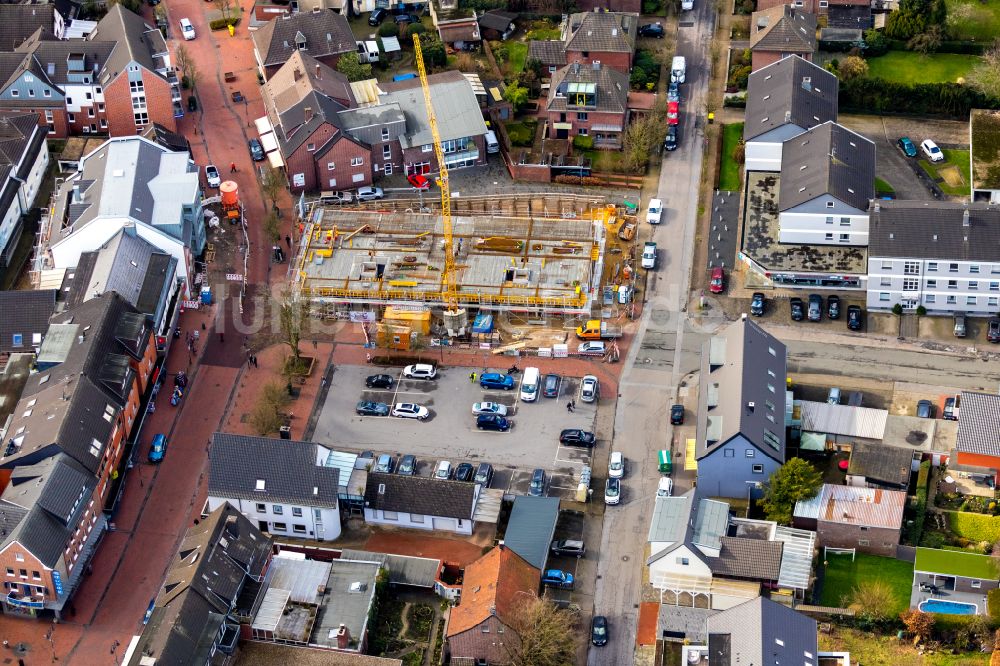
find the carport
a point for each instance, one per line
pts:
(531, 527)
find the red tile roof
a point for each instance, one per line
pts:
(491, 586)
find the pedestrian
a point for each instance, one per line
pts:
(222, 336)
(368, 358)
(569, 406)
(323, 383)
(288, 240)
(255, 361)
(472, 378)
(232, 167)
(573, 405)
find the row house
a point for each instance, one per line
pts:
(853, 14)
(63, 446)
(24, 158)
(589, 100)
(605, 38)
(779, 32)
(321, 33)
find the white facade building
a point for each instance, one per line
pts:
(23, 160)
(421, 503)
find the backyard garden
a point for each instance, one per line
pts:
(729, 171)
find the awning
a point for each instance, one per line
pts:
(269, 141)
(690, 461)
(263, 125)
(606, 128)
(565, 126)
(275, 159)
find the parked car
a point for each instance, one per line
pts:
(372, 408)
(256, 150)
(815, 307)
(616, 465)
(443, 470)
(409, 410)
(674, 92)
(949, 409)
(959, 325)
(718, 283)
(489, 408)
(187, 30)
(655, 211)
(993, 331)
(612, 491)
(569, 547)
(670, 141)
(405, 19)
(855, 317)
(379, 381)
(558, 578)
(377, 17)
(335, 198)
(493, 422)
(417, 181)
(496, 380)
(677, 415)
(402, 8)
(665, 487)
(599, 630)
(420, 371)
(484, 474)
(590, 388)
(592, 348)
(384, 463)
(654, 30)
(212, 176)
(925, 409)
(464, 472)
(551, 386)
(833, 307)
(931, 150)
(577, 437)
(907, 146)
(757, 304)
(797, 310)
(673, 113)
(407, 465)
(369, 193)
(537, 486)
(158, 448)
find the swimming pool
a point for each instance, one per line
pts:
(948, 607)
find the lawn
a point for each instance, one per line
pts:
(517, 53)
(729, 171)
(522, 133)
(954, 171)
(883, 187)
(973, 20)
(874, 650)
(842, 575)
(911, 67)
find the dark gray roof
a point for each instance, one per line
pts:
(531, 527)
(547, 51)
(420, 495)
(170, 140)
(402, 569)
(756, 559)
(934, 230)
(26, 313)
(497, 20)
(365, 123)
(326, 33)
(607, 32)
(182, 633)
(827, 160)
(19, 22)
(611, 88)
(882, 464)
(760, 631)
(53, 55)
(979, 424)
(120, 265)
(791, 91)
(287, 469)
(783, 28)
(135, 42)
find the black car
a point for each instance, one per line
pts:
(380, 381)
(537, 486)
(484, 474)
(377, 17)
(757, 304)
(855, 317)
(677, 415)
(369, 408)
(403, 19)
(550, 389)
(654, 30)
(599, 630)
(407, 465)
(925, 409)
(670, 142)
(993, 331)
(815, 312)
(833, 307)
(256, 150)
(798, 312)
(192, 103)
(576, 437)
(493, 422)
(569, 547)
(464, 472)
(405, 9)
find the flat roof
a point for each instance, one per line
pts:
(862, 422)
(955, 563)
(344, 606)
(531, 526)
(796, 556)
(403, 569)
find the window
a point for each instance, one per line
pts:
(37, 575)
(829, 219)
(758, 469)
(953, 284)
(277, 509)
(845, 238)
(829, 237)
(10, 572)
(581, 115)
(31, 92)
(749, 453)
(952, 268)
(427, 148)
(19, 557)
(770, 387)
(728, 453)
(845, 221)
(387, 152)
(780, 642)
(136, 86)
(994, 286)
(864, 542)
(300, 529)
(932, 266)
(357, 161)
(973, 285)
(993, 301)
(18, 340)
(683, 561)
(357, 178)
(911, 268)
(932, 284)
(824, 3)
(46, 92)
(15, 93)
(583, 131)
(930, 298)
(297, 511)
(310, 147)
(330, 166)
(23, 573)
(974, 268)
(976, 584)
(864, 529)
(416, 518)
(885, 282)
(280, 527)
(772, 352)
(142, 118)
(951, 300)
(911, 284)
(829, 204)
(886, 265)
(771, 439)
(486, 629)
(970, 300)
(769, 405)
(71, 117)
(385, 133)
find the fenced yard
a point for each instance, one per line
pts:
(841, 575)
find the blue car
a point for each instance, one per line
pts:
(370, 408)
(495, 380)
(558, 578)
(907, 146)
(493, 422)
(158, 449)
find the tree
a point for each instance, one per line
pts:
(389, 29)
(852, 67)
(985, 77)
(224, 7)
(918, 623)
(972, 635)
(872, 601)
(186, 63)
(875, 42)
(926, 42)
(516, 94)
(273, 184)
(292, 319)
(272, 227)
(350, 65)
(914, 17)
(433, 50)
(267, 417)
(545, 633)
(795, 480)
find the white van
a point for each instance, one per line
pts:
(492, 145)
(187, 30)
(677, 69)
(529, 384)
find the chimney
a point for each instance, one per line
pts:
(296, 74)
(576, 68)
(318, 72)
(343, 637)
(788, 116)
(307, 113)
(596, 66)
(965, 217)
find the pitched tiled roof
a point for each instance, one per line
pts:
(935, 230)
(790, 91)
(420, 495)
(761, 631)
(325, 33)
(135, 41)
(785, 29)
(828, 159)
(611, 88)
(459, 30)
(493, 585)
(270, 470)
(549, 52)
(979, 424)
(881, 463)
(497, 20)
(19, 22)
(26, 313)
(602, 32)
(740, 557)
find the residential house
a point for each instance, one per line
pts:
(779, 32)
(497, 24)
(493, 588)
(962, 578)
(784, 99)
(420, 503)
(18, 22)
(25, 319)
(323, 34)
(761, 631)
(827, 183)
(866, 519)
(855, 14)
(604, 37)
(978, 438)
(877, 465)
(936, 254)
(984, 137)
(194, 613)
(741, 411)
(284, 487)
(131, 267)
(588, 101)
(551, 53)
(255, 653)
(531, 528)
(459, 33)
(24, 157)
(129, 182)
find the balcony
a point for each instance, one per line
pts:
(15, 599)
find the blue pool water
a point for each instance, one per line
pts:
(948, 607)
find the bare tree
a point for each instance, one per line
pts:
(985, 77)
(293, 317)
(186, 64)
(272, 182)
(266, 417)
(224, 7)
(545, 633)
(641, 136)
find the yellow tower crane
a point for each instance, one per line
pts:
(449, 288)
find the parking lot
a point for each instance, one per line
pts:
(450, 432)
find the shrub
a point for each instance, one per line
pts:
(223, 23)
(921, 310)
(578, 180)
(415, 29)
(975, 526)
(388, 30)
(638, 78)
(935, 99)
(897, 309)
(916, 529)
(736, 102)
(993, 603)
(583, 142)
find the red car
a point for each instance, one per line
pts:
(718, 280)
(418, 181)
(673, 112)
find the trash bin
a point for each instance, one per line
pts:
(285, 432)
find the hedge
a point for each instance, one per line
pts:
(975, 526)
(916, 529)
(876, 96)
(966, 48)
(993, 602)
(223, 23)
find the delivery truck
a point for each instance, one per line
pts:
(595, 329)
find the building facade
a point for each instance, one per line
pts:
(24, 157)
(589, 101)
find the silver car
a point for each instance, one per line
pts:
(590, 388)
(370, 193)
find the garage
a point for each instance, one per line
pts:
(448, 524)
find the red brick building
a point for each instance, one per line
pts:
(323, 34)
(867, 519)
(606, 38)
(839, 13)
(588, 101)
(780, 32)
